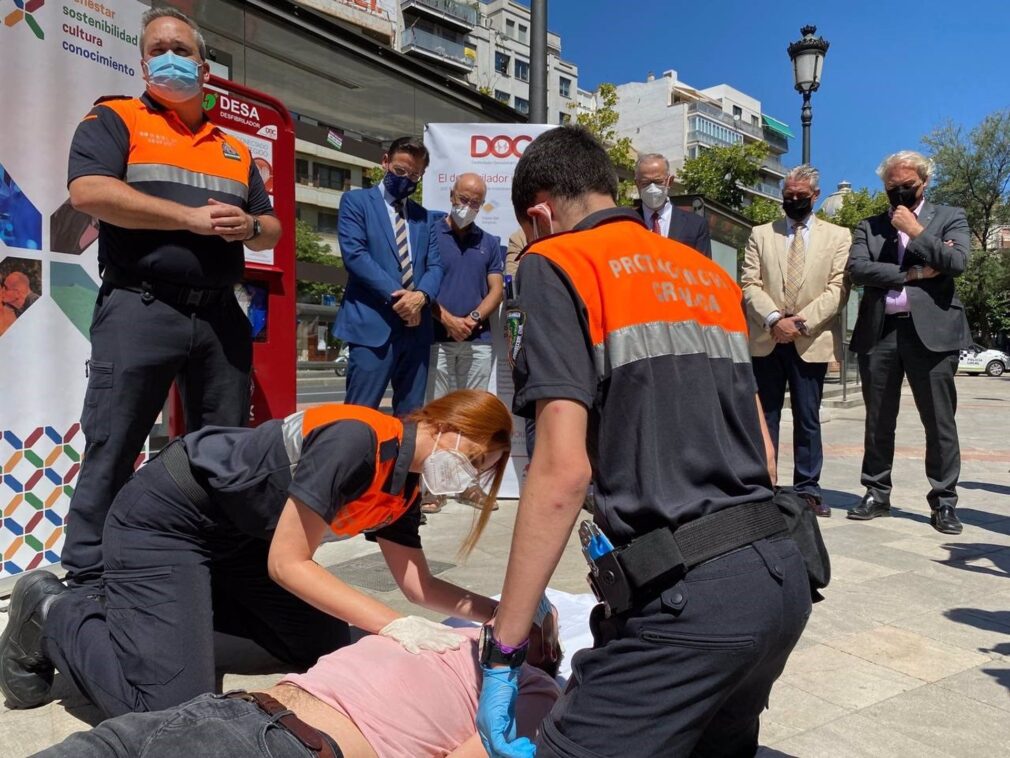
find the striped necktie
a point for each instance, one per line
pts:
(403, 252)
(794, 268)
(656, 220)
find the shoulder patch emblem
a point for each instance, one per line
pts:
(230, 152)
(515, 324)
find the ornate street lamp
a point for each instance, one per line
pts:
(807, 56)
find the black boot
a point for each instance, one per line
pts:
(26, 674)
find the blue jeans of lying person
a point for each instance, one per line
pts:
(209, 726)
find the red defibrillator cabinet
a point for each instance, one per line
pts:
(267, 292)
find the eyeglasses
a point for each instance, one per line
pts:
(797, 196)
(905, 186)
(414, 176)
(475, 203)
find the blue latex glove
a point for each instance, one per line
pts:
(496, 715)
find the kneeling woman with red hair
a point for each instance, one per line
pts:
(218, 532)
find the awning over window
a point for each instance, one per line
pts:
(777, 126)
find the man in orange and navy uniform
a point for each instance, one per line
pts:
(177, 198)
(631, 351)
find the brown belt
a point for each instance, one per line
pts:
(309, 736)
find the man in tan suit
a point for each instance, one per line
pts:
(794, 288)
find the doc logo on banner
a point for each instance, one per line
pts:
(492, 151)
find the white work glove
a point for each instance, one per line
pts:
(542, 610)
(416, 634)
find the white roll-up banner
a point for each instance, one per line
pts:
(492, 151)
(57, 58)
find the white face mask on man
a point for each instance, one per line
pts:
(447, 472)
(463, 215)
(653, 197)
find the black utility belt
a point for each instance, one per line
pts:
(629, 576)
(174, 294)
(176, 462)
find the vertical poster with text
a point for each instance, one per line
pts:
(57, 58)
(492, 151)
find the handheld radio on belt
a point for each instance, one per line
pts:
(606, 577)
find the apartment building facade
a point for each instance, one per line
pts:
(487, 44)
(665, 115)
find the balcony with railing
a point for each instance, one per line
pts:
(434, 48)
(773, 165)
(701, 138)
(765, 189)
(718, 114)
(776, 141)
(457, 15)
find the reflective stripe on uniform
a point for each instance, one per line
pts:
(159, 172)
(659, 338)
(291, 432)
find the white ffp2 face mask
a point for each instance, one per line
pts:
(653, 197)
(464, 215)
(447, 472)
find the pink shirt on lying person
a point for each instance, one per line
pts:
(416, 705)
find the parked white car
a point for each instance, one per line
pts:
(979, 360)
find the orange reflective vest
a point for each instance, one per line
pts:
(376, 508)
(645, 300)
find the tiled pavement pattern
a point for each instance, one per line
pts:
(909, 655)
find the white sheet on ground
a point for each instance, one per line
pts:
(573, 618)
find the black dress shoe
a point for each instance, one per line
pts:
(870, 507)
(816, 504)
(26, 674)
(944, 520)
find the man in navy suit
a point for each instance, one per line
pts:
(653, 177)
(394, 274)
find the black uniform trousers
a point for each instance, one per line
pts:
(689, 673)
(138, 347)
(174, 573)
(899, 354)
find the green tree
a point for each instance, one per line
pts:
(310, 248)
(856, 206)
(762, 210)
(602, 122)
(973, 172)
(720, 173)
(984, 288)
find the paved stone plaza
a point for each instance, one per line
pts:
(909, 655)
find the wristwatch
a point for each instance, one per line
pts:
(257, 229)
(493, 653)
(475, 315)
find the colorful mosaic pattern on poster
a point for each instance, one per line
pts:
(38, 474)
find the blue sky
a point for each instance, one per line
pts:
(894, 71)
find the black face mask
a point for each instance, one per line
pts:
(798, 208)
(907, 196)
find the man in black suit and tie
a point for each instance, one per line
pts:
(911, 324)
(652, 177)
